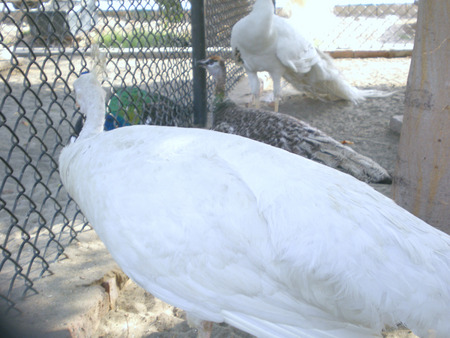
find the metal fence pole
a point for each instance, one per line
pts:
(198, 53)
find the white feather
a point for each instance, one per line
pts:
(267, 42)
(234, 230)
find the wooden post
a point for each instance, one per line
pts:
(422, 178)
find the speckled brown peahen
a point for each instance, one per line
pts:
(286, 132)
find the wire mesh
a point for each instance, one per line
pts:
(382, 27)
(44, 46)
(367, 27)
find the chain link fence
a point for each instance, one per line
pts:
(44, 46)
(362, 27)
(376, 27)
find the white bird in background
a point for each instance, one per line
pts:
(233, 230)
(263, 41)
(286, 132)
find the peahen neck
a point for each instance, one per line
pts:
(262, 16)
(263, 7)
(220, 79)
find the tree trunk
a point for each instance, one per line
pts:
(422, 178)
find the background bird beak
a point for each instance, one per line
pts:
(201, 63)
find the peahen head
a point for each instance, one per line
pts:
(216, 67)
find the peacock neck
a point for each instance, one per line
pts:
(259, 23)
(263, 8)
(264, 5)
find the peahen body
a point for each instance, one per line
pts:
(286, 132)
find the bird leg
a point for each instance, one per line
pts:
(276, 104)
(255, 88)
(256, 102)
(276, 78)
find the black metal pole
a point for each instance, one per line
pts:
(198, 53)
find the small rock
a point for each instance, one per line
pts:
(396, 123)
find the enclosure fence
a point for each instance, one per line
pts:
(385, 27)
(150, 78)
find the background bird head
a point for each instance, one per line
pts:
(214, 64)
